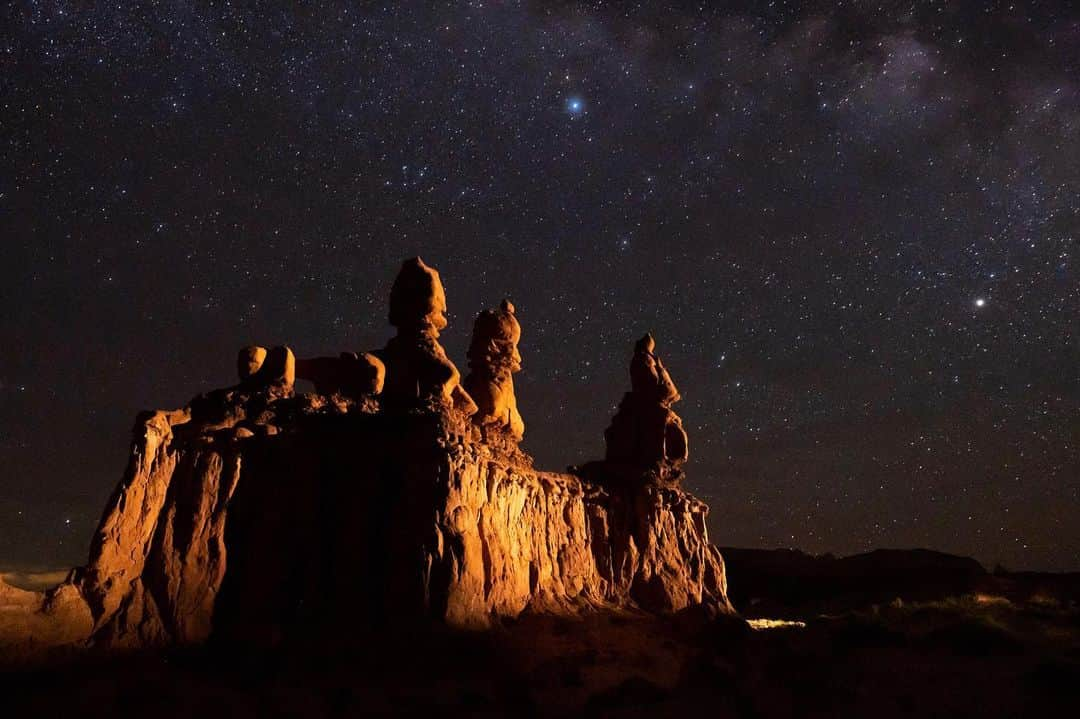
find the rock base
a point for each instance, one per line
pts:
(316, 514)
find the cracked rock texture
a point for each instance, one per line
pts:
(260, 517)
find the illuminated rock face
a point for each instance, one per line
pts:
(508, 539)
(360, 518)
(158, 556)
(493, 360)
(35, 625)
(417, 368)
(257, 514)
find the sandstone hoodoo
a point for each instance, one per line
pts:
(493, 360)
(418, 369)
(646, 440)
(394, 492)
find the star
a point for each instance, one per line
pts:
(609, 182)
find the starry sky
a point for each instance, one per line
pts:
(852, 226)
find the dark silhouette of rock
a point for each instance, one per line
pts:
(355, 375)
(783, 582)
(493, 360)
(417, 368)
(649, 379)
(646, 433)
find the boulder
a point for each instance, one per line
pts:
(352, 374)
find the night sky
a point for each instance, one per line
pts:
(852, 226)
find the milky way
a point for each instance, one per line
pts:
(851, 226)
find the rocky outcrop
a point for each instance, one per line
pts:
(352, 374)
(260, 515)
(509, 539)
(261, 367)
(493, 360)
(36, 625)
(417, 368)
(254, 535)
(158, 557)
(646, 436)
(791, 583)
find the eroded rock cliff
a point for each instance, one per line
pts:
(358, 517)
(260, 515)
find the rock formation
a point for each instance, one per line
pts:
(248, 361)
(352, 374)
(258, 514)
(493, 360)
(40, 624)
(646, 433)
(417, 368)
(260, 367)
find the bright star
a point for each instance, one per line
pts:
(980, 302)
(575, 105)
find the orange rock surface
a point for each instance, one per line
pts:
(493, 360)
(257, 514)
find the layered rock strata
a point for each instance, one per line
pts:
(260, 515)
(254, 534)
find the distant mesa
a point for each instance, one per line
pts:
(787, 582)
(395, 492)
